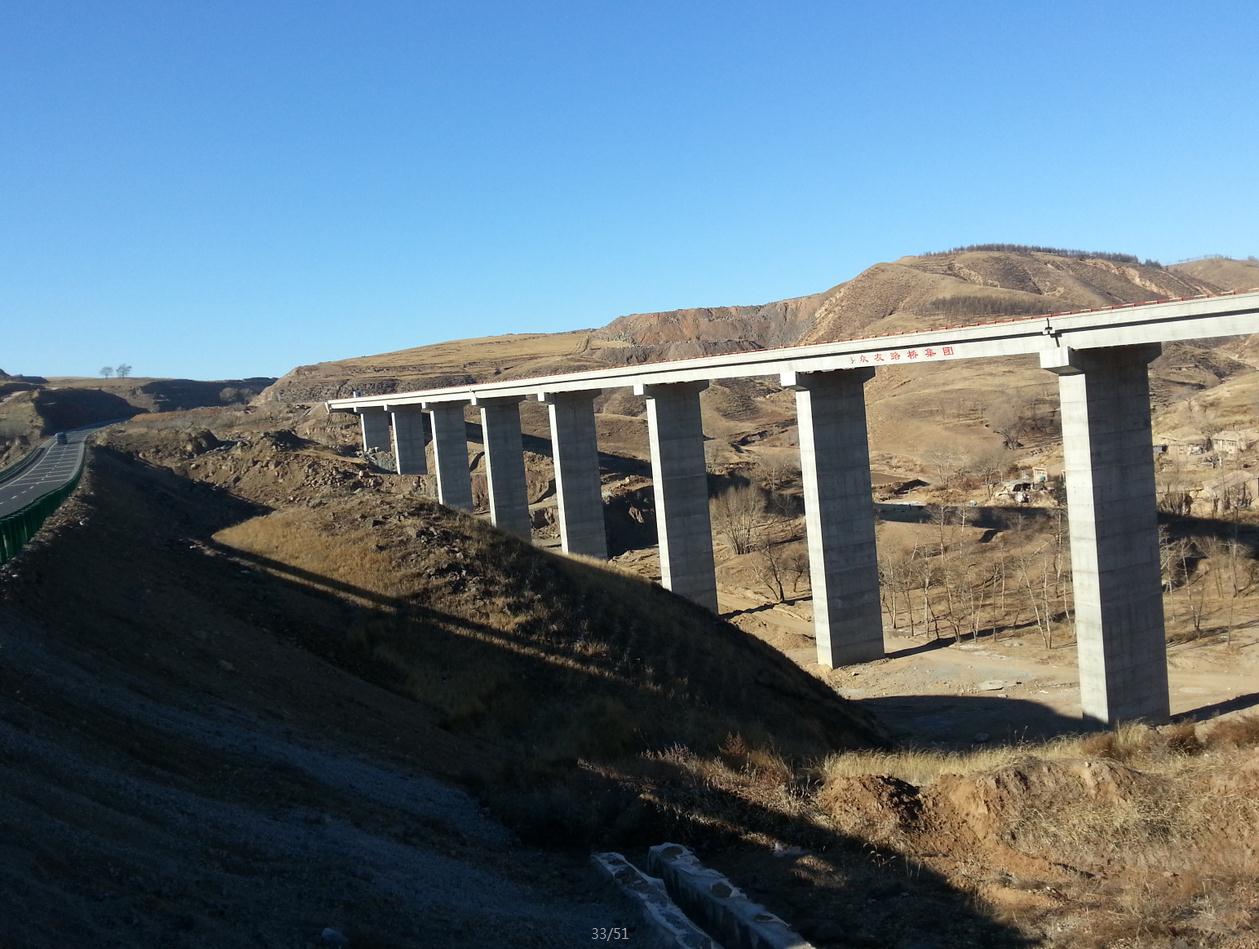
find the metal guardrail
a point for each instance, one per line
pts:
(32, 456)
(20, 526)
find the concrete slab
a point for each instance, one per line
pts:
(723, 908)
(669, 926)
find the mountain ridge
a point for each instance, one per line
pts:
(916, 292)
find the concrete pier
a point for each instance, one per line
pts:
(505, 464)
(410, 435)
(450, 454)
(839, 514)
(1112, 514)
(1101, 359)
(680, 483)
(578, 490)
(374, 424)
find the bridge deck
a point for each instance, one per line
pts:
(1233, 314)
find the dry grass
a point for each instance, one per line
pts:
(1148, 834)
(633, 717)
(920, 766)
(588, 674)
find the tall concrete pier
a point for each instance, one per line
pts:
(409, 440)
(579, 495)
(1113, 518)
(450, 454)
(839, 514)
(374, 426)
(505, 464)
(680, 484)
(1101, 359)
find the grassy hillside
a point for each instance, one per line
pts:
(952, 288)
(554, 660)
(279, 644)
(1223, 272)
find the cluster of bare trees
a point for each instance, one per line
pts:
(950, 584)
(1025, 414)
(1231, 570)
(753, 518)
(950, 587)
(122, 370)
(1111, 256)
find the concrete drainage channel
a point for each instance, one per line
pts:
(725, 916)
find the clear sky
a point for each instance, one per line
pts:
(220, 189)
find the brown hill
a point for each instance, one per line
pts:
(915, 413)
(32, 408)
(976, 286)
(958, 287)
(917, 293)
(1223, 272)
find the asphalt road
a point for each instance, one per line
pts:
(58, 465)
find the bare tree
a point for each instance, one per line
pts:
(925, 573)
(775, 473)
(771, 568)
(1215, 549)
(106, 371)
(1035, 577)
(1041, 414)
(1009, 420)
(1173, 487)
(948, 465)
(1205, 418)
(736, 513)
(123, 370)
(797, 568)
(988, 467)
(897, 581)
(887, 588)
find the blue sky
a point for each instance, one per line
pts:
(227, 189)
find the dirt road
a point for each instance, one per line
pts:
(939, 692)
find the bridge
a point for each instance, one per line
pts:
(1100, 358)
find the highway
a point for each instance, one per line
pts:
(57, 465)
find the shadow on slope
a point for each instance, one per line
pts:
(176, 771)
(63, 409)
(584, 704)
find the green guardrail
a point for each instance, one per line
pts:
(25, 461)
(20, 526)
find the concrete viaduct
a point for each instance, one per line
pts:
(1099, 356)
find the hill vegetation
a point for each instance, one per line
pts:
(1115, 258)
(325, 618)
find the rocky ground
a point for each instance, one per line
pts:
(180, 770)
(240, 734)
(252, 686)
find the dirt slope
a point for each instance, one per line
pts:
(232, 735)
(178, 770)
(244, 720)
